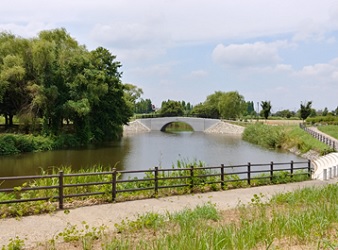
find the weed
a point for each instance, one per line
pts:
(14, 244)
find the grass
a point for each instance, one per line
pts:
(304, 219)
(179, 178)
(307, 219)
(331, 130)
(283, 137)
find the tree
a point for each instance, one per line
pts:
(232, 105)
(132, 93)
(266, 109)
(143, 106)
(171, 108)
(13, 82)
(325, 112)
(305, 110)
(53, 77)
(228, 105)
(285, 113)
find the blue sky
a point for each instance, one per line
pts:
(285, 51)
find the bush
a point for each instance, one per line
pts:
(328, 120)
(7, 145)
(18, 143)
(266, 136)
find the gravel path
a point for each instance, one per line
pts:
(41, 228)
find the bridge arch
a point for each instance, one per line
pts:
(185, 126)
(197, 124)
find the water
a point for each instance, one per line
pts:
(147, 150)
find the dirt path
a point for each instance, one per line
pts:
(35, 229)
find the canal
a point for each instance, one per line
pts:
(147, 150)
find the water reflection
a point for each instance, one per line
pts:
(147, 150)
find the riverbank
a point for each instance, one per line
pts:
(43, 234)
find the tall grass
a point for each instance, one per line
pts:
(306, 218)
(177, 180)
(285, 137)
(330, 130)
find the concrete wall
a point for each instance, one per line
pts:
(198, 124)
(326, 167)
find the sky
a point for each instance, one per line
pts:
(282, 51)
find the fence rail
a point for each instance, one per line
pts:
(154, 180)
(322, 138)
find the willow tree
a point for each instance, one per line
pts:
(57, 79)
(229, 105)
(13, 82)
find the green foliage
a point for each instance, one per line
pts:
(171, 108)
(53, 78)
(285, 114)
(285, 137)
(271, 137)
(331, 130)
(305, 110)
(147, 221)
(322, 120)
(228, 105)
(18, 143)
(14, 244)
(144, 106)
(266, 109)
(306, 218)
(305, 142)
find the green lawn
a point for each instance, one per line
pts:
(331, 130)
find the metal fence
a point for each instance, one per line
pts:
(322, 138)
(153, 180)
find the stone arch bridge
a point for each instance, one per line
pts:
(197, 124)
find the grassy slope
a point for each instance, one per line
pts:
(331, 130)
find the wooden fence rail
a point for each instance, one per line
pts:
(153, 180)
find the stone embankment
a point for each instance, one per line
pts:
(134, 127)
(225, 128)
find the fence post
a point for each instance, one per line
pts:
(61, 189)
(291, 170)
(271, 171)
(191, 177)
(113, 190)
(249, 173)
(222, 176)
(156, 181)
(309, 168)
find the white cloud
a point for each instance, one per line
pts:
(327, 71)
(248, 55)
(130, 35)
(198, 74)
(30, 29)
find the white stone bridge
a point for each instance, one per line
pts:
(197, 124)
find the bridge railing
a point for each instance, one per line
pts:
(144, 116)
(108, 186)
(322, 138)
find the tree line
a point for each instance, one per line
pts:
(51, 81)
(54, 79)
